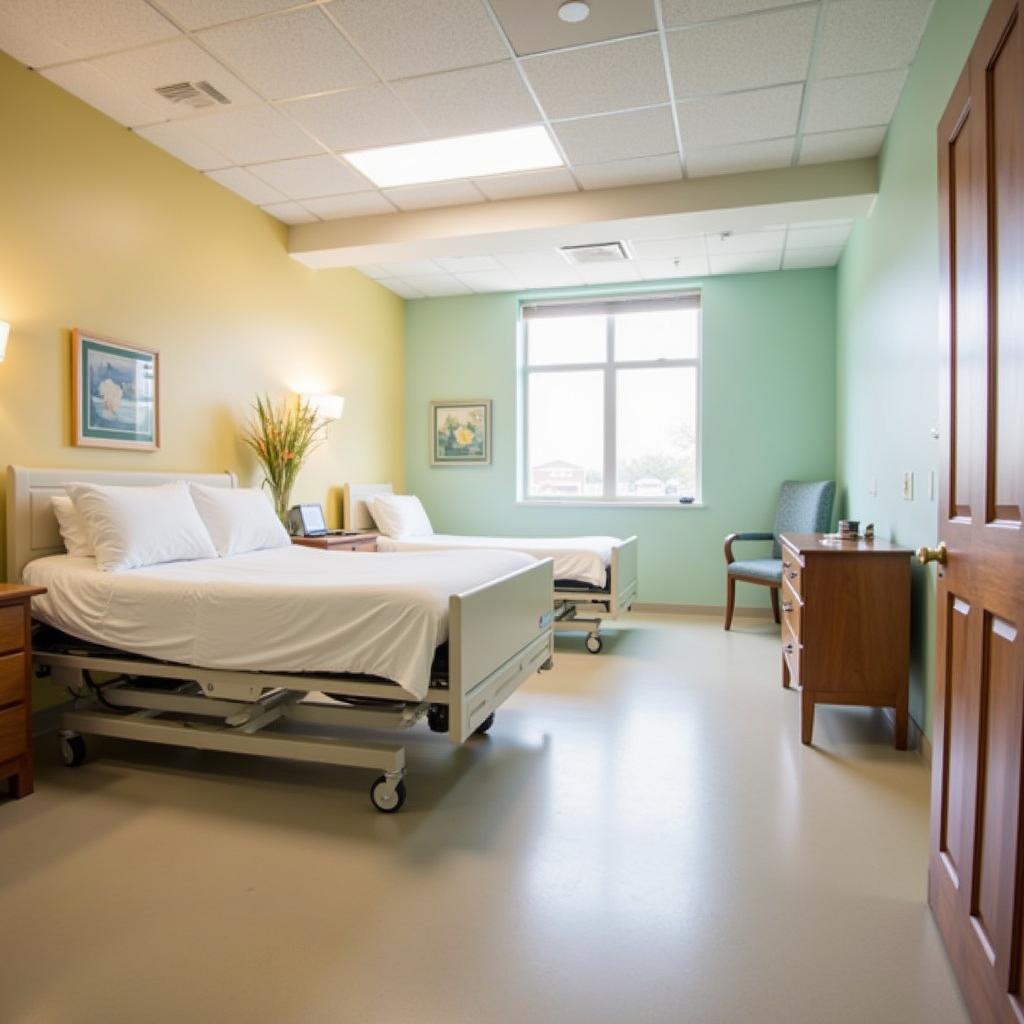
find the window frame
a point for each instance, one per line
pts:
(609, 366)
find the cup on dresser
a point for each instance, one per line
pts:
(849, 527)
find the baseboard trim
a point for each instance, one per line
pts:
(700, 609)
(916, 738)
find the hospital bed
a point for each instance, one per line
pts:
(257, 653)
(593, 576)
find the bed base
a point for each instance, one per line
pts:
(614, 599)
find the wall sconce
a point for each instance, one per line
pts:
(327, 407)
(5, 330)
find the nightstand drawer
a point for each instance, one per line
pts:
(12, 679)
(12, 732)
(791, 652)
(12, 628)
(792, 571)
(792, 609)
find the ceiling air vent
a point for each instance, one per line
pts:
(598, 252)
(193, 94)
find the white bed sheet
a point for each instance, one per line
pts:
(583, 559)
(291, 609)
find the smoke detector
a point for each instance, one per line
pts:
(196, 95)
(596, 252)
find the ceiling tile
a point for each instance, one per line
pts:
(826, 147)
(860, 102)
(745, 53)
(402, 38)
(442, 193)
(41, 32)
(470, 100)
(538, 259)
(532, 26)
(246, 185)
(803, 259)
(746, 263)
(660, 270)
(596, 79)
(252, 135)
(870, 35)
(176, 139)
(290, 54)
(311, 177)
(608, 273)
(829, 236)
(201, 13)
(746, 156)
(638, 171)
(491, 281)
(357, 119)
(686, 248)
(439, 284)
(141, 72)
(730, 244)
(88, 84)
(357, 204)
(374, 270)
(740, 117)
(399, 287)
(548, 277)
(289, 213)
(412, 268)
(595, 140)
(688, 12)
(466, 264)
(529, 183)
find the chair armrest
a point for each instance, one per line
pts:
(733, 537)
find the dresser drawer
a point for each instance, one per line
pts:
(12, 628)
(791, 651)
(792, 571)
(12, 732)
(12, 679)
(792, 610)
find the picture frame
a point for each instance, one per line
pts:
(460, 432)
(115, 393)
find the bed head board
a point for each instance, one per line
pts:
(31, 525)
(356, 515)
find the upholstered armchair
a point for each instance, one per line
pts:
(802, 508)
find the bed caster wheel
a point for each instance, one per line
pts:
(485, 726)
(387, 798)
(594, 643)
(437, 717)
(72, 750)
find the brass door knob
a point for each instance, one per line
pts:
(939, 554)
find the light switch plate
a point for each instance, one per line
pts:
(908, 485)
(931, 485)
(873, 488)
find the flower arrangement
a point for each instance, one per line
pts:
(283, 435)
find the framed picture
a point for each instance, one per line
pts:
(115, 393)
(460, 433)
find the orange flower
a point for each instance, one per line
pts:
(287, 456)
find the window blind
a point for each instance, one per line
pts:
(610, 307)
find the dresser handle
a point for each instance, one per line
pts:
(788, 648)
(793, 575)
(787, 606)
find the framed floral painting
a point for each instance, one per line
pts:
(460, 433)
(115, 391)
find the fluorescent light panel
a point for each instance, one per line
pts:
(464, 156)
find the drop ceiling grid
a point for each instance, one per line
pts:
(822, 92)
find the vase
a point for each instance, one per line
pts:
(283, 502)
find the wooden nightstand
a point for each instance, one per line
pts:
(339, 542)
(15, 686)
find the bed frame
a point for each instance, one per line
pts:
(614, 599)
(499, 634)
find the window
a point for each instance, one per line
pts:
(610, 400)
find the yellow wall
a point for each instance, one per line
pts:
(99, 229)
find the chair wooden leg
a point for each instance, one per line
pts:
(775, 603)
(730, 600)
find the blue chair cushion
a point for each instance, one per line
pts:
(767, 569)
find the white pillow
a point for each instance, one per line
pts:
(135, 526)
(239, 519)
(74, 530)
(400, 515)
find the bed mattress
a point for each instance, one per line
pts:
(582, 559)
(291, 609)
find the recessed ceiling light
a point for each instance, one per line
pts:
(463, 156)
(574, 11)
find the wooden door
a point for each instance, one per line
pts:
(976, 877)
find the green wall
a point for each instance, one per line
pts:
(765, 337)
(887, 300)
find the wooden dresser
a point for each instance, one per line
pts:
(846, 625)
(15, 687)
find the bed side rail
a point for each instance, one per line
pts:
(624, 575)
(498, 635)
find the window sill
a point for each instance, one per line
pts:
(540, 503)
